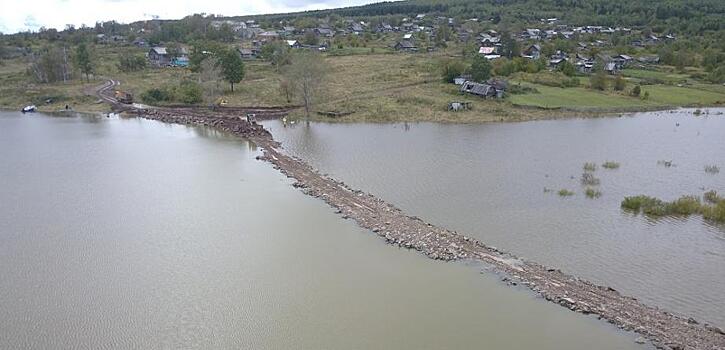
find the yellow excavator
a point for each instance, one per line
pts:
(220, 102)
(124, 97)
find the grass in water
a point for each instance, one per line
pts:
(565, 193)
(590, 166)
(712, 197)
(683, 206)
(588, 179)
(712, 169)
(610, 165)
(592, 193)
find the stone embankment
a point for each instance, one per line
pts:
(663, 329)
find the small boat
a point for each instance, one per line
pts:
(28, 109)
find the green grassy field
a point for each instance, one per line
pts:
(363, 85)
(653, 74)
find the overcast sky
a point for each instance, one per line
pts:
(21, 15)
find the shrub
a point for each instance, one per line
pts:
(152, 96)
(592, 193)
(128, 62)
(565, 193)
(610, 165)
(619, 83)
(636, 91)
(189, 92)
(590, 166)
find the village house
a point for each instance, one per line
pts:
(247, 54)
(531, 34)
(405, 46)
(491, 89)
(268, 36)
(294, 44)
(533, 52)
(622, 61)
(158, 56)
(356, 28)
(288, 31)
(324, 32)
(649, 59)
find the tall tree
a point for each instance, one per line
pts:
(307, 71)
(480, 68)
(83, 60)
(232, 66)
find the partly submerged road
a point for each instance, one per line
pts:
(665, 330)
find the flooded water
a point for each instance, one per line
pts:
(135, 234)
(488, 181)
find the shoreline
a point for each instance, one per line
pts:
(663, 329)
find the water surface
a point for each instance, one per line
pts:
(488, 180)
(132, 234)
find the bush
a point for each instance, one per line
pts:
(519, 89)
(128, 62)
(189, 92)
(619, 83)
(153, 96)
(590, 166)
(452, 70)
(636, 91)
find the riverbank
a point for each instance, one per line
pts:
(377, 87)
(665, 330)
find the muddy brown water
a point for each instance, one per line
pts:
(136, 234)
(487, 181)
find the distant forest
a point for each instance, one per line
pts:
(681, 16)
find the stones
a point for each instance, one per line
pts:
(640, 340)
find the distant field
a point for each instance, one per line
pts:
(652, 74)
(552, 97)
(363, 85)
(682, 96)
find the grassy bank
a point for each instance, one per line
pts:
(369, 85)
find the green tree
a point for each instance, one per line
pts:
(130, 62)
(619, 83)
(567, 68)
(307, 72)
(636, 91)
(598, 81)
(451, 70)
(83, 60)
(277, 53)
(232, 67)
(480, 68)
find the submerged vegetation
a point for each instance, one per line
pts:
(592, 193)
(589, 179)
(565, 193)
(712, 169)
(590, 166)
(610, 165)
(713, 209)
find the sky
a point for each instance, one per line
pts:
(22, 15)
